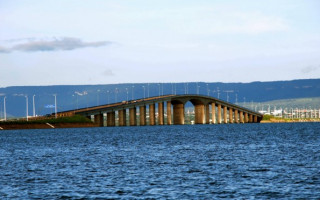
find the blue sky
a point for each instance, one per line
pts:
(133, 41)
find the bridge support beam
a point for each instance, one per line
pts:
(207, 111)
(199, 114)
(230, 115)
(219, 114)
(152, 115)
(241, 117)
(132, 116)
(213, 113)
(225, 114)
(255, 119)
(178, 114)
(98, 119)
(246, 118)
(122, 117)
(236, 116)
(143, 118)
(160, 113)
(111, 118)
(169, 118)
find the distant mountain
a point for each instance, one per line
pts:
(73, 96)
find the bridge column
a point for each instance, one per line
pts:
(207, 111)
(236, 116)
(98, 119)
(246, 119)
(178, 114)
(219, 114)
(241, 117)
(169, 118)
(143, 119)
(255, 119)
(160, 113)
(199, 114)
(225, 115)
(152, 115)
(122, 117)
(230, 115)
(111, 118)
(250, 118)
(213, 113)
(132, 116)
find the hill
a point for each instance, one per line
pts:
(77, 96)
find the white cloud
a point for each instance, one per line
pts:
(52, 44)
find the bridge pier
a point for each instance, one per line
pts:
(219, 114)
(143, 117)
(160, 113)
(152, 115)
(255, 119)
(213, 113)
(169, 118)
(98, 119)
(241, 117)
(250, 118)
(225, 114)
(230, 115)
(132, 116)
(246, 119)
(207, 112)
(178, 113)
(236, 116)
(111, 118)
(122, 117)
(199, 113)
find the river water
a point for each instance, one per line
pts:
(234, 161)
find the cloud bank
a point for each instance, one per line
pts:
(54, 44)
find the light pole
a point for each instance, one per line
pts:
(144, 92)
(159, 88)
(237, 99)
(132, 92)
(115, 94)
(108, 96)
(26, 106)
(98, 92)
(127, 93)
(148, 91)
(34, 106)
(55, 105)
(4, 109)
(208, 90)
(218, 92)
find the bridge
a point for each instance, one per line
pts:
(207, 109)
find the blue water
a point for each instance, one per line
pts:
(242, 161)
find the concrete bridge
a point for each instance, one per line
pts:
(170, 110)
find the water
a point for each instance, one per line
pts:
(242, 161)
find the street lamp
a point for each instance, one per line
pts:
(4, 109)
(127, 93)
(55, 105)
(144, 92)
(108, 96)
(208, 90)
(26, 106)
(132, 92)
(98, 92)
(148, 90)
(159, 88)
(34, 106)
(115, 94)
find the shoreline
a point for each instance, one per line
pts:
(45, 126)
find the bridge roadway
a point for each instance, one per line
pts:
(221, 111)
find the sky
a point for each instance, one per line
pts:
(75, 42)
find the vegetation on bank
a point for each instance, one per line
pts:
(270, 118)
(72, 119)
